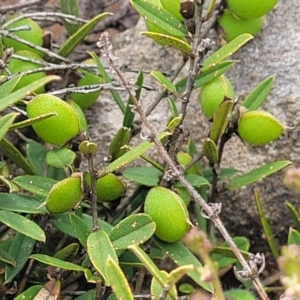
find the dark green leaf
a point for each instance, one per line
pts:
(80, 228)
(68, 253)
(225, 173)
(60, 158)
(210, 151)
(7, 258)
(7, 87)
(294, 237)
(257, 174)
(5, 123)
(147, 176)
(70, 7)
(121, 139)
(30, 293)
(36, 155)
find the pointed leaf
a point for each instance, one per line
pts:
(68, 253)
(70, 7)
(294, 214)
(80, 228)
(195, 180)
(5, 123)
(73, 41)
(60, 158)
(173, 107)
(133, 230)
(7, 87)
(30, 293)
(117, 280)
(7, 258)
(257, 174)
(147, 176)
(227, 50)
(121, 139)
(293, 237)
(210, 151)
(257, 97)
(36, 155)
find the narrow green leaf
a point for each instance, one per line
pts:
(100, 248)
(21, 204)
(25, 91)
(194, 179)
(238, 294)
(7, 258)
(36, 155)
(22, 225)
(210, 151)
(265, 225)
(225, 173)
(159, 17)
(60, 158)
(107, 79)
(147, 176)
(221, 120)
(257, 174)
(68, 253)
(89, 295)
(80, 228)
(73, 41)
(173, 107)
(70, 7)
(157, 288)
(7, 87)
(30, 293)
(294, 214)
(132, 154)
(174, 123)
(293, 237)
(133, 230)
(28, 122)
(129, 114)
(58, 263)
(117, 280)
(257, 97)
(164, 81)
(5, 123)
(176, 274)
(121, 139)
(207, 75)
(20, 249)
(182, 256)
(15, 155)
(168, 40)
(227, 50)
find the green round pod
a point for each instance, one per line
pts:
(87, 100)
(34, 35)
(213, 93)
(18, 65)
(259, 127)
(251, 9)
(234, 27)
(56, 130)
(169, 212)
(65, 195)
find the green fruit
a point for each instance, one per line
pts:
(168, 211)
(58, 129)
(65, 195)
(17, 65)
(87, 100)
(251, 9)
(184, 159)
(213, 94)
(33, 35)
(234, 27)
(109, 187)
(259, 127)
(172, 6)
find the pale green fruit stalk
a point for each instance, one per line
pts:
(251, 9)
(169, 212)
(259, 127)
(65, 195)
(234, 27)
(58, 129)
(213, 93)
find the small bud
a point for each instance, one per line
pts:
(292, 178)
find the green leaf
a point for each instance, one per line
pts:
(80, 228)
(257, 174)
(70, 7)
(238, 294)
(5, 123)
(30, 293)
(68, 253)
(207, 75)
(7, 87)
(194, 179)
(58, 263)
(21, 204)
(157, 288)
(132, 154)
(257, 97)
(159, 17)
(182, 257)
(227, 50)
(107, 79)
(224, 255)
(294, 214)
(73, 41)
(89, 295)
(7, 258)
(25, 91)
(293, 237)
(129, 114)
(174, 123)
(22, 225)
(133, 230)
(265, 225)
(35, 184)
(100, 248)
(15, 155)
(60, 158)
(210, 151)
(173, 107)
(168, 40)
(121, 139)
(20, 249)
(147, 176)
(225, 173)
(117, 280)
(36, 155)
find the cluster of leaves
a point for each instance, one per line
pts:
(97, 245)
